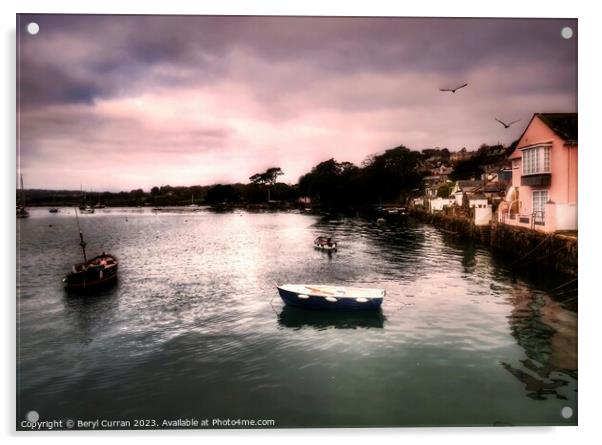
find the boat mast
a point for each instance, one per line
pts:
(82, 243)
(22, 192)
(83, 195)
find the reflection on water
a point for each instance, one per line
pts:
(297, 318)
(195, 327)
(87, 311)
(548, 334)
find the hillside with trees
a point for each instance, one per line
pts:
(388, 177)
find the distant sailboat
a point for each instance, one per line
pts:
(82, 204)
(21, 210)
(192, 204)
(98, 205)
(84, 207)
(53, 209)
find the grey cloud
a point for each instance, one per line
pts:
(331, 76)
(121, 50)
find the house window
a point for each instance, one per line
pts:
(546, 159)
(536, 160)
(540, 198)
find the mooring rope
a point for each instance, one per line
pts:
(273, 308)
(542, 257)
(566, 284)
(569, 300)
(533, 250)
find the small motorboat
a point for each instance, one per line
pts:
(87, 210)
(325, 243)
(92, 274)
(333, 298)
(53, 210)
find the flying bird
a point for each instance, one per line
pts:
(505, 124)
(453, 90)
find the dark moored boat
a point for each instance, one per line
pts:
(99, 271)
(91, 274)
(53, 210)
(22, 212)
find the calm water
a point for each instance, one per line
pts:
(195, 328)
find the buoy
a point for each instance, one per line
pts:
(361, 300)
(331, 299)
(303, 296)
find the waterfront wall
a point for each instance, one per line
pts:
(556, 251)
(454, 224)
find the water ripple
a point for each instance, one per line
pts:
(195, 325)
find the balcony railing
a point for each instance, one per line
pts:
(536, 180)
(537, 218)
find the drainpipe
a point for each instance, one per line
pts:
(568, 173)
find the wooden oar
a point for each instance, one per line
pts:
(315, 289)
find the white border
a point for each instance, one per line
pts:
(590, 190)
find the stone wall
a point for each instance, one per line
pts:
(557, 251)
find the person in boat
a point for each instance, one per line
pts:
(103, 260)
(329, 242)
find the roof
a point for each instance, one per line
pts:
(469, 184)
(494, 187)
(563, 124)
(475, 196)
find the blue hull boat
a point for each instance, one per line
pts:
(331, 298)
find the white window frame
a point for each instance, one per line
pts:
(539, 205)
(537, 159)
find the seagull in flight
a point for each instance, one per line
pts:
(453, 90)
(505, 124)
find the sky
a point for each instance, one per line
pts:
(124, 102)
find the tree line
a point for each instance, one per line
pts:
(389, 177)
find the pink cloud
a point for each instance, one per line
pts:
(122, 111)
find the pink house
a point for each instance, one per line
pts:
(543, 195)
